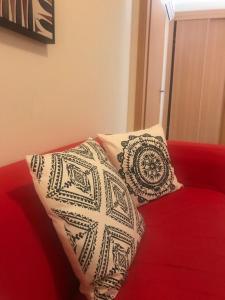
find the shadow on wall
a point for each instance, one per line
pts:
(16, 40)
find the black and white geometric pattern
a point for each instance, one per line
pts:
(117, 253)
(37, 165)
(81, 230)
(143, 162)
(117, 204)
(93, 214)
(74, 180)
(102, 156)
(146, 167)
(82, 150)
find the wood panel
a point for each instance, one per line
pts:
(142, 62)
(212, 98)
(200, 14)
(188, 76)
(155, 63)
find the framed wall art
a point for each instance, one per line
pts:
(34, 18)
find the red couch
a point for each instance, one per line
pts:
(182, 254)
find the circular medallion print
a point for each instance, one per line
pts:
(145, 166)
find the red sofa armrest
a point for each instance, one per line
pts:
(199, 165)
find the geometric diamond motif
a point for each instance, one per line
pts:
(79, 178)
(74, 181)
(118, 204)
(82, 234)
(93, 214)
(82, 150)
(116, 256)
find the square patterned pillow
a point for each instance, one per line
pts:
(93, 215)
(143, 161)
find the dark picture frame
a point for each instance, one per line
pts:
(33, 18)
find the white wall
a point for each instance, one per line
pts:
(186, 5)
(54, 95)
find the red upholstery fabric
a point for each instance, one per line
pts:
(181, 255)
(32, 262)
(199, 165)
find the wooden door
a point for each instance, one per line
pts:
(187, 79)
(212, 98)
(198, 82)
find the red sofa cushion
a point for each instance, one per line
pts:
(182, 253)
(199, 165)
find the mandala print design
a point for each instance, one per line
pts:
(145, 167)
(74, 181)
(82, 235)
(118, 203)
(115, 258)
(37, 165)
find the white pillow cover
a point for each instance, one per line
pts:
(143, 161)
(93, 215)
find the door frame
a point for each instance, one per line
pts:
(142, 67)
(142, 63)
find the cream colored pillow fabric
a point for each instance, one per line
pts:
(93, 215)
(143, 162)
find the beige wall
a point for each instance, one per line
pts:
(57, 94)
